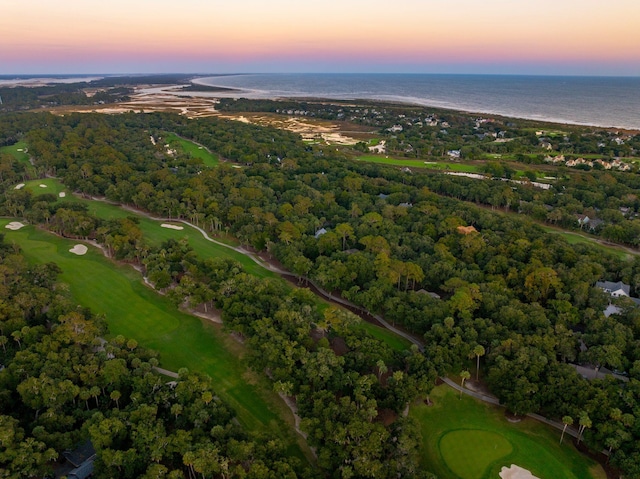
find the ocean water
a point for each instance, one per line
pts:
(599, 101)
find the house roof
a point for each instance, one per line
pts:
(610, 287)
(80, 454)
(594, 223)
(83, 471)
(465, 230)
(430, 293)
(611, 309)
(320, 232)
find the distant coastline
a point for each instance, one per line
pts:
(604, 102)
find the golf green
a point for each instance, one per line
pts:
(468, 453)
(464, 438)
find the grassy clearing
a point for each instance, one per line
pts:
(467, 439)
(18, 151)
(193, 149)
(135, 311)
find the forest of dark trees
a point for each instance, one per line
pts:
(527, 297)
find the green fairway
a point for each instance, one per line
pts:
(468, 439)
(392, 340)
(193, 149)
(434, 165)
(151, 229)
(46, 185)
(577, 238)
(136, 311)
(155, 234)
(18, 150)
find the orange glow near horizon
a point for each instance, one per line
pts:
(407, 32)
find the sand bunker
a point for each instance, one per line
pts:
(79, 249)
(20, 149)
(516, 472)
(43, 186)
(172, 227)
(14, 225)
(19, 186)
(62, 194)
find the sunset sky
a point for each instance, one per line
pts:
(583, 37)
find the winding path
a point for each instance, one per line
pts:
(364, 314)
(494, 400)
(352, 307)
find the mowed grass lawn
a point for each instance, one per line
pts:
(156, 234)
(151, 229)
(46, 185)
(193, 149)
(434, 165)
(576, 238)
(136, 311)
(468, 439)
(17, 150)
(395, 342)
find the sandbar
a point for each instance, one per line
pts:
(172, 227)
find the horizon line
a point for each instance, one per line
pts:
(213, 74)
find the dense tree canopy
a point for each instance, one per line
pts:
(382, 238)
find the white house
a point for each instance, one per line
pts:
(614, 289)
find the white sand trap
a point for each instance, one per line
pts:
(43, 186)
(19, 186)
(62, 194)
(19, 149)
(516, 472)
(14, 225)
(79, 249)
(172, 227)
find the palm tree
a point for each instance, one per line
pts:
(382, 368)
(464, 375)
(95, 392)
(585, 422)
(478, 351)
(17, 336)
(115, 396)
(567, 421)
